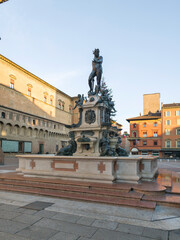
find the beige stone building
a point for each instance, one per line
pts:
(151, 103)
(33, 113)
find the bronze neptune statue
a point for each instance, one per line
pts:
(96, 72)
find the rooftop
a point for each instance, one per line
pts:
(149, 116)
(31, 74)
(171, 105)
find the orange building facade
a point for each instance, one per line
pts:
(145, 134)
(156, 133)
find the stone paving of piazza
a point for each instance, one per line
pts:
(24, 216)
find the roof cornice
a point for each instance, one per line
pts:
(143, 118)
(32, 75)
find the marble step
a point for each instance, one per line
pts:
(143, 188)
(168, 199)
(81, 189)
(80, 196)
(150, 188)
(120, 186)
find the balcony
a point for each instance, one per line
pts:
(133, 138)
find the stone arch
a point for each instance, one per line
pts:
(41, 133)
(46, 134)
(23, 131)
(35, 132)
(29, 132)
(16, 129)
(8, 128)
(1, 127)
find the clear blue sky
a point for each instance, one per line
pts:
(138, 39)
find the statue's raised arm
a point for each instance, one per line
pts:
(96, 72)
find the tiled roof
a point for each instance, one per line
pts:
(171, 105)
(146, 117)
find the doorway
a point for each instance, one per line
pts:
(41, 148)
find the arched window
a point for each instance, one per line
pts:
(155, 134)
(144, 125)
(155, 124)
(59, 105)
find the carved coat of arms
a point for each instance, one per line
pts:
(90, 116)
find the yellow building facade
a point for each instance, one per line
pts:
(33, 113)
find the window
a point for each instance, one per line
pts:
(10, 115)
(57, 148)
(144, 153)
(51, 101)
(62, 106)
(24, 119)
(178, 143)
(155, 143)
(3, 115)
(167, 131)
(167, 113)
(178, 113)
(155, 134)
(29, 91)
(155, 153)
(134, 134)
(70, 108)
(144, 125)
(17, 117)
(144, 143)
(168, 143)
(168, 122)
(144, 134)
(45, 99)
(134, 125)
(34, 122)
(59, 105)
(12, 84)
(155, 124)
(54, 126)
(134, 142)
(178, 131)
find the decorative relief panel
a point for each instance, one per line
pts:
(90, 116)
(64, 165)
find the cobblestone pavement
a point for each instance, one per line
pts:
(25, 217)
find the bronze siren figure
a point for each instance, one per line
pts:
(96, 72)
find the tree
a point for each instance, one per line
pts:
(107, 92)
